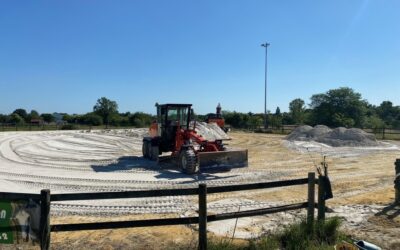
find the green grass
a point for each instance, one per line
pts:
(301, 236)
(298, 236)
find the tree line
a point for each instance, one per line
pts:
(105, 112)
(342, 107)
(21, 116)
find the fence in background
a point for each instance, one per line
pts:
(47, 127)
(385, 133)
(46, 198)
(380, 133)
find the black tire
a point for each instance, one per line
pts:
(145, 149)
(154, 152)
(188, 161)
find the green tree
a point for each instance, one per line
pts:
(33, 115)
(140, 119)
(48, 118)
(115, 119)
(275, 121)
(124, 120)
(339, 107)
(286, 118)
(106, 109)
(297, 111)
(388, 113)
(374, 122)
(3, 118)
(234, 119)
(16, 119)
(278, 111)
(92, 119)
(68, 118)
(22, 113)
(255, 121)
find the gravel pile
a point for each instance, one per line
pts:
(210, 131)
(338, 137)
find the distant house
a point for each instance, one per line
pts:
(36, 121)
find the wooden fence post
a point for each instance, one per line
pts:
(311, 199)
(202, 216)
(321, 200)
(397, 181)
(45, 219)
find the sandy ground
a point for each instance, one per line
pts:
(83, 161)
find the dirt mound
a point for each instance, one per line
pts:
(338, 137)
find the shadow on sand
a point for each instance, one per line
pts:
(391, 211)
(166, 169)
(126, 163)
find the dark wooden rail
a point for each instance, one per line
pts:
(174, 192)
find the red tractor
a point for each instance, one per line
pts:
(174, 132)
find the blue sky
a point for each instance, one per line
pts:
(61, 56)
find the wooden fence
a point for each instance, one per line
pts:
(46, 198)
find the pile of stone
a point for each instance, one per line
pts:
(338, 137)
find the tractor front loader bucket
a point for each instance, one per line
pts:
(222, 159)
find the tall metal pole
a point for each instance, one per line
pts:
(265, 96)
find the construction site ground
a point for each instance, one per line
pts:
(110, 160)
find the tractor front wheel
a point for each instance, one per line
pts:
(188, 161)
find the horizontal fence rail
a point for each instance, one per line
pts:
(173, 221)
(174, 192)
(19, 196)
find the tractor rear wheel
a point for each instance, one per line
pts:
(154, 153)
(145, 149)
(188, 161)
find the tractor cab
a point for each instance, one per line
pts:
(170, 118)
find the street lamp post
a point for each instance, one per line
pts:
(265, 97)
